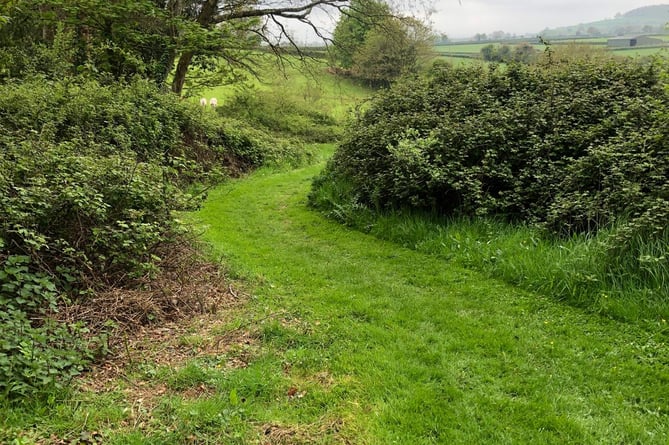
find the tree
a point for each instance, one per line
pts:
(261, 15)
(351, 31)
(392, 48)
(376, 45)
(154, 38)
(498, 35)
(489, 53)
(120, 38)
(524, 53)
(593, 31)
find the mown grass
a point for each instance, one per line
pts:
(359, 340)
(425, 352)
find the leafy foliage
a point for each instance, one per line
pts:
(34, 351)
(117, 39)
(574, 146)
(352, 28)
(281, 114)
(124, 38)
(377, 47)
(523, 53)
(90, 177)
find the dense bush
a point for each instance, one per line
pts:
(573, 146)
(282, 114)
(90, 178)
(522, 53)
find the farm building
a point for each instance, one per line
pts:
(633, 41)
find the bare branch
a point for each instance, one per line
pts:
(294, 12)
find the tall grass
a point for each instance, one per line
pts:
(579, 270)
(582, 270)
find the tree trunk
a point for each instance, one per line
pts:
(204, 19)
(180, 74)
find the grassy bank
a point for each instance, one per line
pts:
(305, 83)
(580, 270)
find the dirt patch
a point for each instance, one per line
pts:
(277, 434)
(175, 316)
(170, 345)
(186, 285)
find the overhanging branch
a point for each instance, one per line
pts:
(294, 12)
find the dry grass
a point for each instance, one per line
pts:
(185, 285)
(152, 324)
(277, 434)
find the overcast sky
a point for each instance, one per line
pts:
(524, 16)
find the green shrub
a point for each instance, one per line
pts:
(35, 352)
(90, 177)
(280, 114)
(252, 147)
(574, 146)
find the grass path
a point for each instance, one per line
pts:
(362, 341)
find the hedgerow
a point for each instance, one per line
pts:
(575, 146)
(91, 175)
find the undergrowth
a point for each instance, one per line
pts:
(91, 175)
(282, 114)
(585, 270)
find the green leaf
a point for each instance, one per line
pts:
(234, 398)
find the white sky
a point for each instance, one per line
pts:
(463, 20)
(524, 16)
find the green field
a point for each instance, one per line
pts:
(471, 48)
(306, 83)
(458, 61)
(639, 52)
(474, 49)
(594, 40)
(453, 52)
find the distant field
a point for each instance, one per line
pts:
(664, 37)
(473, 48)
(458, 61)
(594, 40)
(456, 51)
(633, 52)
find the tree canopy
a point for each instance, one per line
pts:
(377, 46)
(152, 38)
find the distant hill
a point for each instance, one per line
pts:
(646, 20)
